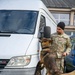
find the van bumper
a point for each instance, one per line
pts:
(25, 71)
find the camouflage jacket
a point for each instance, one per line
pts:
(62, 42)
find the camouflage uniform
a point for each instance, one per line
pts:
(63, 45)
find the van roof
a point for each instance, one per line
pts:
(21, 4)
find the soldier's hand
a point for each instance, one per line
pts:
(64, 54)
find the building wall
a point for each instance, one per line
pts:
(67, 16)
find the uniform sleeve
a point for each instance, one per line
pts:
(68, 45)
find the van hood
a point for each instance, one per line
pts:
(14, 45)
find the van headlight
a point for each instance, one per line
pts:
(19, 61)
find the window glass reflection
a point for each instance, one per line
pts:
(18, 21)
(62, 17)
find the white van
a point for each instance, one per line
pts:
(22, 25)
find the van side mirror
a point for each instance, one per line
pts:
(47, 32)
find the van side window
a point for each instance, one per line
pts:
(42, 25)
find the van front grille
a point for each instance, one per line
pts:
(3, 63)
(15, 71)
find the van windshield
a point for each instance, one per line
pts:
(18, 21)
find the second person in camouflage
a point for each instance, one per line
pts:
(63, 43)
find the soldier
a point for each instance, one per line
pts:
(63, 45)
(52, 56)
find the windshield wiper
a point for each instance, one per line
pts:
(8, 32)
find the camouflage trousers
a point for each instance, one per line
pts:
(60, 64)
(49, 61)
